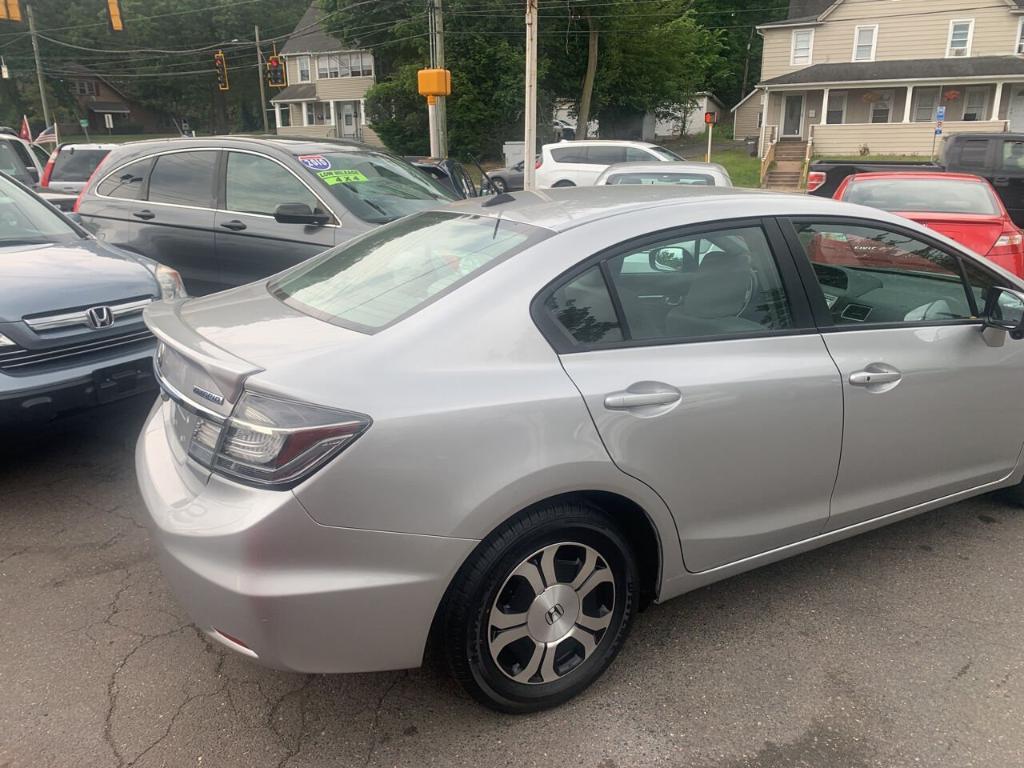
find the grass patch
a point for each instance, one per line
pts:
(744, 169)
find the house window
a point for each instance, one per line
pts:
(84, 87)
(976, 104)
(318, 113)
(836, 112)
(864, 43)
(927, 103)
(362, 64)
(327, 67)
(881, 108)
(803, 42)
(1020, 35)
(960, 35)
(303, 63)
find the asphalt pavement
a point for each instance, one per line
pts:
(902, 647)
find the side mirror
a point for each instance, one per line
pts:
(1004, 309)
(33, 172)
(666, 259)
(299, 213)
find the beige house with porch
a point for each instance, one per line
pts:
(849, 77)
(327, 84)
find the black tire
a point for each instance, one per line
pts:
(563, 183)
(499, 184)
(571, 532)
(1014, 494)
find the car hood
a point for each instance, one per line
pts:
(44, 278)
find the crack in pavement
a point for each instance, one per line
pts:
(372, 734)
(292, 751)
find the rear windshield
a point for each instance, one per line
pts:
(374, 186)
(76, 164)
(694, 179)
(391, 273)
(13, 164)
(924, 196)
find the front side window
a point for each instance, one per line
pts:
(13, 164)
(960, 34)
(864, 43)
(374, 186)
(128, 182)
(258, 185)
(1013, 156)
(803, 41)
(183, 178)
(394, 271)
(872, 275)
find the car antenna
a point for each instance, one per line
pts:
(499, 199)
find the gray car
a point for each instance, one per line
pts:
(71, 330)
(687, 173)
(518, 420)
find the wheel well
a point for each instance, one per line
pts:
(563, 183)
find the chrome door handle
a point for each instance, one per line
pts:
(145, 215)
(873, 375)
(234, 225)
(642, 395)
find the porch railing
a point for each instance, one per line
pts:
(770, 134)
(807, 158)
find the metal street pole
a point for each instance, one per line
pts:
(39, 64)
(530, 112)
(261, 73)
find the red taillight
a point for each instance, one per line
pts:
(1008, 251)
(49, 169)
(78, 200)
(815, 179)
(539, 163)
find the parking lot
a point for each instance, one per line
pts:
(898, 648)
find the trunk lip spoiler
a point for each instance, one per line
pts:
(228, 371)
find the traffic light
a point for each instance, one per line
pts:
(114, 16)
(10, 10)
(220, 63)
(275, 72)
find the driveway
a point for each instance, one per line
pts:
(902, 647)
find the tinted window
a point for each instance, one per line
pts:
(183, 178)
(717, 283)
(583, 309)
(129, 182)
(665, 154)
(12, 164)
(257, 185)
(76, 164)
(395, 270)
(974, 152)
(938, 195)
(690, 179)
(569, 155)
(1013, 156)
(875, 275)
(602, 155)
(634, 155)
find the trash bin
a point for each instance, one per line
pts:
(752, 147)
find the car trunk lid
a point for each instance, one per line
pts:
(977, 232)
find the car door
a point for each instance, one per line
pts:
(1008, 177)
(931, 409)
(726, 403)
(250, 243)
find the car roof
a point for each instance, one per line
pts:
(294, 145)
(563, 208)
(110, 145)
(600, 142)
(665, 166)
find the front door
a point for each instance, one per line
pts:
(793, 115)
(711, 395)
(251, 244)
(925, 397)
(348, 119)
(1015, 112)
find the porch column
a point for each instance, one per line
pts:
(277, 115)
(362, 111)
(334, 115)
(997, 101)
(910, 101)
(824, 107)
(305, 113)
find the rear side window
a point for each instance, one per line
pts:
(183, 178)
(583, 309)
(974, 152)
(569, 155)
(399, 268)
(128, 182)
(76, 164)
(599, 155)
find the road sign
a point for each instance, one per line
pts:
(108, 120)
(940, 113)
(938, 131)
(83, 122)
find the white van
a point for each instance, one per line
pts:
(579, 163)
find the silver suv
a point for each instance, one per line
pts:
(518, 420)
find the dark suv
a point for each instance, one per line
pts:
(228, 210)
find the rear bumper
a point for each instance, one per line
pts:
(30, 399)
(260, 576)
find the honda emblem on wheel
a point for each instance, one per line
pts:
(99, 317)
(554, 614)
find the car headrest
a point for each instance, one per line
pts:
(718, 293)
(728, 258)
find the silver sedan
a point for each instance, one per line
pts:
(513, 423)
(685, 173)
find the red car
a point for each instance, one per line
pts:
(961, 206)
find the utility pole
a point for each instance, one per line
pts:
(261, 73)
(39, 64)
(439, 128)
(530, 112)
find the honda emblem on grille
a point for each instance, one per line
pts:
(99, 317)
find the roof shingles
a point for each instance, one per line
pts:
(903, 70)
(309, 36)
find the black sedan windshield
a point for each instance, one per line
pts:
(26, 219)
(374, 186)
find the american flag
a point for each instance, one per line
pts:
(49, 136)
